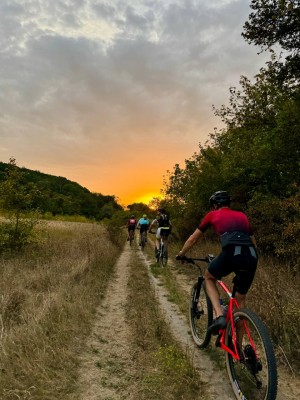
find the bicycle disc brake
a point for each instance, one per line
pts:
(253, 364)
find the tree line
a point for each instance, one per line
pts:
(256, 157)
(55, 195)
(26, 197)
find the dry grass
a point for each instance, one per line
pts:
(48, 296)
(275, 297)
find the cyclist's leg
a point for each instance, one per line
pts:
(165, 234)
(157, 242)
(241, 299)
(218, 268)
(213, 293)
(165, 240)
(245, 265)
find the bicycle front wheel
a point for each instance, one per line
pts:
(200, 315)
(254, 377)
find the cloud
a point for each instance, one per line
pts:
(99, 84)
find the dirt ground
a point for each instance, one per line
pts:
(107, 365)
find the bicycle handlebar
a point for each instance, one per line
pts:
(192, 260)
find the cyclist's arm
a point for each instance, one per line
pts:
(154, 222)
(191, 241)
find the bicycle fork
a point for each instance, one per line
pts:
(195, 310)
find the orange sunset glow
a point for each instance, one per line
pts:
(112, 95)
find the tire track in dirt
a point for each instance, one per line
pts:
(216, 380)
(107, 371)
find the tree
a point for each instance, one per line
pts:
(16, 199)
(276, 22)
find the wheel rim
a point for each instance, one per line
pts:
(250, 378)
(200, 317)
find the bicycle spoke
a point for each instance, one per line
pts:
(254, 377)
(201, 315)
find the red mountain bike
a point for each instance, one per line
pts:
(250, 359)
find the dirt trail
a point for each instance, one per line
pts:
(107, 371)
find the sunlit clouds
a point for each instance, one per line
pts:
(113, 94)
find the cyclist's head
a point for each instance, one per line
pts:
(144, 216)
(220, 199)
(132, 216)
(161, 211)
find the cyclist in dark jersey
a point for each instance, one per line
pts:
(164, 227)
(238, 252)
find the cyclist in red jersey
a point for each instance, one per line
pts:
(131, 225)
(238, 252)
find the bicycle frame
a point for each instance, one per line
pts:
(251, 367)
(233, 305)
(229, 319)
(162, 243)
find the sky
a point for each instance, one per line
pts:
(112, 94)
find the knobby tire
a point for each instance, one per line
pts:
(143, 241)
(200, 315)
(131, 239)
(248, 375)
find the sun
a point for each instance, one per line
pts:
(146, 199)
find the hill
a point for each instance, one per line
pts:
(60, 196)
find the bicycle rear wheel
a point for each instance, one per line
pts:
(200, 314)
(131, 237)
(164, 256)
(143, 241)
(254, 377)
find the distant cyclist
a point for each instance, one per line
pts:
(164, 227)
(143, 225)
(238, 252)
(131, 225)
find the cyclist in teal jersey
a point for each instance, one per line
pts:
(143, 225)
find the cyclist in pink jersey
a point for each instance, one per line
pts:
(238, 252)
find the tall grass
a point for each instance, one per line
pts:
(48, 296)
(275, 297)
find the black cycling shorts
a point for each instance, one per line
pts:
(242, 260)
(131, 228)
(163, 231)
(144, 228)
